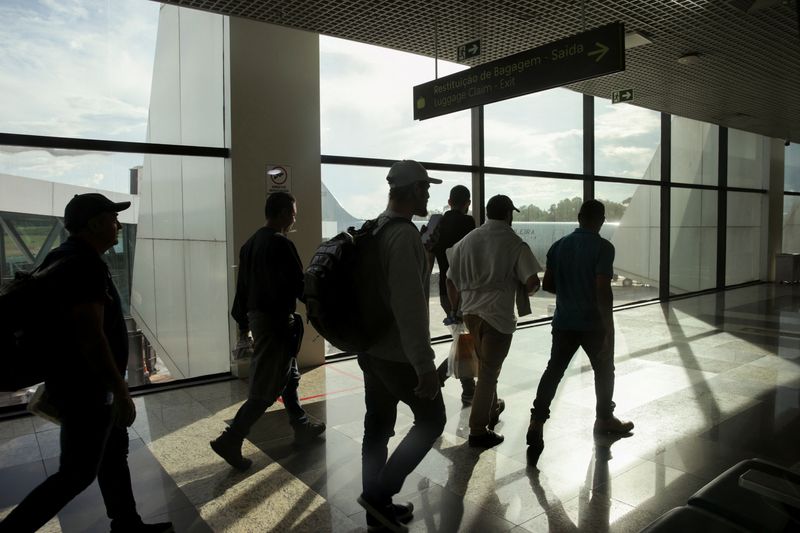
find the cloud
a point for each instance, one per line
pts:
(366, 105)
(77, 68)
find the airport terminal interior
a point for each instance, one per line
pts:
(681, 116)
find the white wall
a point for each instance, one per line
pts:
(274, 119)
(40, 197)
(215, 84)
(180, 286)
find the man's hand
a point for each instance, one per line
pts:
(125, 410)
(428, 385)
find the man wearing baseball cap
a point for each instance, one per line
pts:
(400, 367)
(86, 383)
(487, 269)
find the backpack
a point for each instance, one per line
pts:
(28, 308)
(344, 286)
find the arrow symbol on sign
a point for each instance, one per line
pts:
(626, 94)
(600, 51)
(473, 49)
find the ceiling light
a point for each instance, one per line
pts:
(636, 38)
(689, 58)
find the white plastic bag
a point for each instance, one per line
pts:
(462, 362)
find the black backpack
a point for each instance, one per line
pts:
(29, 307)
(344, 287)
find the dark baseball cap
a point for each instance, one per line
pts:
(499, 206)
(84, 207)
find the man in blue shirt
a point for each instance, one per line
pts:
(579, 271)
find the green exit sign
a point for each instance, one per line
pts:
(625, 95)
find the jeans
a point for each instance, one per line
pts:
(565, 344)
(491, 347)
(92, 446)
(273, 371)
(385, 384)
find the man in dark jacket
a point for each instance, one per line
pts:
(86, 384)
(455, 224)
(269, 285)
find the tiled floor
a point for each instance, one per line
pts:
(708, 381)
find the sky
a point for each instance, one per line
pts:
(83, 68)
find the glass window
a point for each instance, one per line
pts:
(79, 70)
(627, 140)
(104, 171)
(746, 244)
(748, 160)
(109, 70)
(791, 224)
(632, 225)
(549, 210)
(540, 131)
(366, 105)
(792, 168)
(695, 152)
(693, 240)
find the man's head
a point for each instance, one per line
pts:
(280, 210)
(408, 187)
(93, 217)
(592, 215)
(500, 207)
(459, 199)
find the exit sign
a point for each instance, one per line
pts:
(625, 95)
(469, 50)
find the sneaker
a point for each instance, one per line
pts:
(229, 448)
(487, 440)
(467, 391)
(612, 425)
(501, 406)
(402, 512)
(382, 516)
(162, 527)
(305, 433)
(535, 438)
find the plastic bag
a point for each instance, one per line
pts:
(39, 404)
(462, 362)
(243, 349)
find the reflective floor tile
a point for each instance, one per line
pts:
(19, 450)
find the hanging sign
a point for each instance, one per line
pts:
(586, 55)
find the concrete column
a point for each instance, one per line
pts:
(273, 118)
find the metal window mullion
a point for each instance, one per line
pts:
(52, 236)
(478, 164)
(666, 178)
(722, 207)
(588, 147)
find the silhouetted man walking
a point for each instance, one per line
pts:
(87, 385)
(455, 224)
(487, 270)
(269, 284)
(579, 271)
(400, 367)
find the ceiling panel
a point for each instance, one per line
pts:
(747, 75)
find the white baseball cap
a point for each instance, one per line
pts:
(407, 172)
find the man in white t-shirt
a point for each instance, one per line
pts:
(487, 268)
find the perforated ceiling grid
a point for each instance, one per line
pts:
(747, 76)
